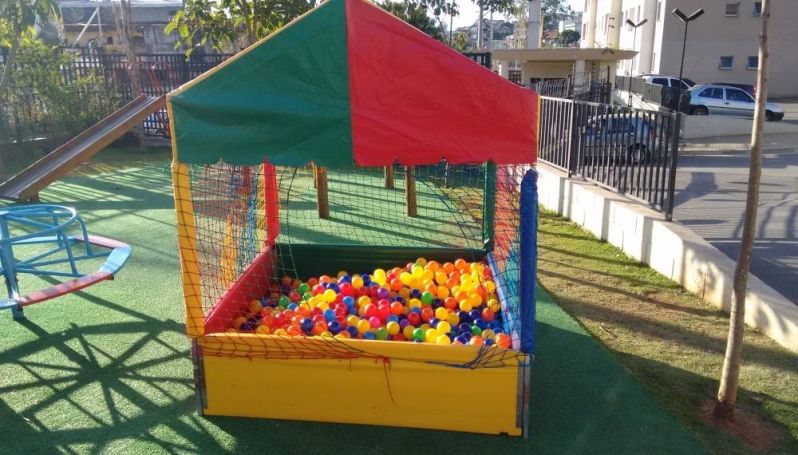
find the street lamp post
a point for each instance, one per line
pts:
(634, 42)
(672, 177)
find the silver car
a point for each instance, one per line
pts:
(708, 99)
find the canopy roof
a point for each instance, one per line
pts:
(350, 83)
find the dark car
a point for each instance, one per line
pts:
(619, 138)
(748, 88)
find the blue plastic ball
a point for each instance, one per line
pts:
(437, 303)
(366, 279)
(415, 293)
(345, 279)
(489, 342)
(398, 298)
(464, 327)
(334, 327)
(329, 315)
(352, 331)
(369, 336)
(293, 306)
(247, 327)
(349, 301)
(464, 317)
(434, 322)
(461, 339)
(474, 314)
(392, 318)
(416, 310)
(306, 325)
(481, 323)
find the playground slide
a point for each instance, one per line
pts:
(26, 185)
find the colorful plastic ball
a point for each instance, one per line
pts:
(369, 336)
(414, 318)
(443, 339)
(464, 327)
(441, 313)
(465, 305)
(263, 330)
(239, 321)
(384, 310)
(427, 297)
(408, 331)
(363, 326)
(284, 301)
(329, 315)
(476, 330)
(461, 339)
(488, 334)
(357, 282)
(481, 323)
(329, 295)
(281, 332)
(352, 331)
(371, 310)
(427, 314)
(404, 323)
(306, 325)
(488, 314)
(418, 334)
(347, 289)
(474, 314)
(431, 335)
(381, 333)
(374, 322)
(453, 319)
(293, 306)
(476, 341)
(334, 327)
(382, 293)
(443, 327)
(503, 340)
(392, 328)
(450, 303)
(397, 308)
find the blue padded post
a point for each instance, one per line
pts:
(528, 258)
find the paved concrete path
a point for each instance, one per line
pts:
(710, 199)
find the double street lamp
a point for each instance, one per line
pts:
(686, 19)
(634, 42)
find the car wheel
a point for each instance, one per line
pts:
(699, 110)
(769, 116)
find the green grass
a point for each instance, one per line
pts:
(669, 339)
(108, 369)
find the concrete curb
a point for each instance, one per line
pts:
(668, 247)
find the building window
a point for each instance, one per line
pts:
(733, 9)
(753, 62)
(726, 62)
(757, 8)
(659, 11)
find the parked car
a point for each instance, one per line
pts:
(620, 138)
(706, 99)
(748, 88)
(667, 81)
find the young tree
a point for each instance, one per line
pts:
(552, 11)
(17, 17)
(568, 37)
(415, 15)
(233, 23)
(729, 381)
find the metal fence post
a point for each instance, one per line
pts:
(673, 163)
(572, 140)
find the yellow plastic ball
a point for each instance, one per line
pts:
(352, 320)
(405, 278)
(493, 304)
(488, 334)
(237, 322)
(465, 305)
(263, 330)
(357, 282)
(363, 326)
(442, 339)
(329, 295)
(443, 292)
(414, 303)
(490, 286)
(281, 332)
(430, 335)
(441, 313)
(443, 327)
(475, 300)
(421, 261)
(392, 327)
(341, 273)
(408, 332)
(453, 319)
(441, 278)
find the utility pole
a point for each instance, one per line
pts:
(730, 378)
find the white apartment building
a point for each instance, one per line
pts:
(722, 45)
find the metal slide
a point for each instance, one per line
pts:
(26, 185)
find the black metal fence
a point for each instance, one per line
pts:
(631, 151)
(665, 96)
(594, 91)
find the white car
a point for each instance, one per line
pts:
(667, 81)
(706, 99)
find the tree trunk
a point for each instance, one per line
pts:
(123, 25)
(9, 65)
(729, 381)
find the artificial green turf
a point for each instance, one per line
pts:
(108, 369)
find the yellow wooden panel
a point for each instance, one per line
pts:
(399, 393)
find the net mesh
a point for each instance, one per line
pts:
(258, 229)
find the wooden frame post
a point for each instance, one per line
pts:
(410, 190)
(321, 192)
(389, 177)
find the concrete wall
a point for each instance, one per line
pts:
(669, 248)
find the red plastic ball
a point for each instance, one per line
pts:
(413, 318)
(384, 311)
(397, 308)
(347, 289)
(427, 314)
(372, 311)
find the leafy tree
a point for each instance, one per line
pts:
(554, 10)
(460, 42)
(17, 18)
(415, 15)
(234, 23)
(568, 37)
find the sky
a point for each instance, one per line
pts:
(469, 12)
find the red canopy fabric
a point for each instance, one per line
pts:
(416, 101)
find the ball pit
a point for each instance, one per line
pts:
(423, 302)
